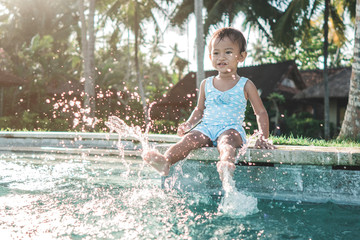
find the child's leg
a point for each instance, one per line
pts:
(177, 152)
(227, 143)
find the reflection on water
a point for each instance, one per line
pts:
(42, 197)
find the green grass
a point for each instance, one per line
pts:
(303, 141)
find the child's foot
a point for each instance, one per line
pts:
(225, 167)
(157, 161)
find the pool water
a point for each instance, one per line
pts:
(82, 197)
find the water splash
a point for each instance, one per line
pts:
(235, 203)
(115, 124)
(72, 108)
(123, 130)
(252, 141)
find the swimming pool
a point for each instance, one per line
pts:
(63, 196)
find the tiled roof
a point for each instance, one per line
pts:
(339, 85)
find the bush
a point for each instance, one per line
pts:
(164, 127)
(302, 125)
(32, 121)
(250, 120)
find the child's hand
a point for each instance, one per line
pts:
(264, 143)
(183, 128)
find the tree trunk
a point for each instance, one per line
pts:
(350, 128)
(137, 67)
(199, 42)
(88, 48)
(1, 101)
(277, 113)
(325, 74)
(91, 49)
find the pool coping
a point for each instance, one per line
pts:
(106, 144)
(291, 173)
(83, 135)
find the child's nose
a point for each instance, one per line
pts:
(222, 55)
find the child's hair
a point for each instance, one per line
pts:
(233, 34)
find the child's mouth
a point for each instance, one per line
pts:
(222, 64)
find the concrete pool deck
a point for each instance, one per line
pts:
(105, 143)
(296, 173)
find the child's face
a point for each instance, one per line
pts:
(225, 55)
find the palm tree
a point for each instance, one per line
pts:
(350, 128)
(290, 25)
(200, 75)
(217, 10)
(88, 51)
(177, 62)
(132, 14)
(258, 52)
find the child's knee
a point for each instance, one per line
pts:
(226, 143)
(226, 149)
(189, 138)
(231, 137)
(192, 138)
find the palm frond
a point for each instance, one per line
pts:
(182, 13)
(351, 7)
(283, 31)
(214, 16)
(316, 7)
(338, 25)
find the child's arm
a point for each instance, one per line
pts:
(262, 117)
(197, 114)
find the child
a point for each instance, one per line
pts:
(220, 108)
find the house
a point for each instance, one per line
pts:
(315, 76)
(312, 98)
(282, 77)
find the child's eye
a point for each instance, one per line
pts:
(215, 53)
(228, 52)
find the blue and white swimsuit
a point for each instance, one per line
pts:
(223, 110)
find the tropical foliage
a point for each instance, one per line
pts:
(41, 41)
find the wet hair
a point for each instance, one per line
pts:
(233, 34)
